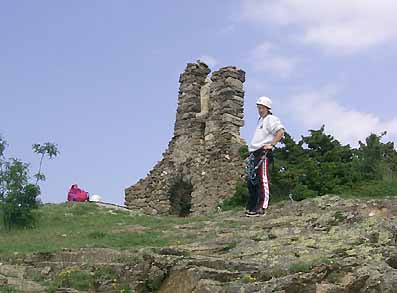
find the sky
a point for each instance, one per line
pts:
(100, 78)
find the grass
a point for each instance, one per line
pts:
(74, 278)
(229, 246)
(7, 289)
(77, 225)
(307, 266)
(101, 278)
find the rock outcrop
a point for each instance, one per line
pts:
(202, 165)
(322, 245)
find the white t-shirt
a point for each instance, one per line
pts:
(265, 131)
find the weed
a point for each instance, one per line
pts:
(73, 278)
(303, 267)
(96, 235)
(247, 278)
(229, 246)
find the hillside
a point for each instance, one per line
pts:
(327, 244)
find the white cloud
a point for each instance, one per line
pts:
(314, 109)
(341, 26)
(264, 58)
(209, 60)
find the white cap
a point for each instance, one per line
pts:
(96, 198)
(265, 101)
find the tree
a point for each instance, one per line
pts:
(390, 156)
(316, 165)
(288, 171)
(47, 148)
(18, 197)
(319, 164)
(329, 164)
(375, 160)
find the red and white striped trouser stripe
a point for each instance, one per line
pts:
(263, 173)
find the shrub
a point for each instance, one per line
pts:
(374, 188)
(18, 197)
(243, 151)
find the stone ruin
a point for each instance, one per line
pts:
(202, 165)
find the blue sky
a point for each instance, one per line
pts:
(100, 78)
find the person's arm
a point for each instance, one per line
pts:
(279, 135)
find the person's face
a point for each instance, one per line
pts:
(262, 110)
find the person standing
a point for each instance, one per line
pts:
(269, 131)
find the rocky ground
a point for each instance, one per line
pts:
(325, 245)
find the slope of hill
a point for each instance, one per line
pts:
(327, 244)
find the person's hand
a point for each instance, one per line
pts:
(267, 146)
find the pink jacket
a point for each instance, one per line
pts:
(77, 194)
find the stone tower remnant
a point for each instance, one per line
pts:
(202, 165)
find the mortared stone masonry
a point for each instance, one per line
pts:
(201, 165)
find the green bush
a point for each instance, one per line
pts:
(379, 188)
(18, 197)
(244, 153)
(319, 164)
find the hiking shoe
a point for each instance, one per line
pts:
(251, 214)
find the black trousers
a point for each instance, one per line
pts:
(259, 189)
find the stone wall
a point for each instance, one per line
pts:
(202, 165)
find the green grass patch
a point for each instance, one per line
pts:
(233, 224)
(303, 267)
(229, 246)
(77, 225)
(307, 266)
(105, 273)
(72, 277)
(92, 280)
(248, 278)
(8, 289)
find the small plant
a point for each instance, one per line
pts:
(306, 267)
(47, 148)
(303, 267)
(247, 278)
(243, 151)
(104, 275)
(74, 278)
(339, 216)
(229, 246)
(96, 235)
